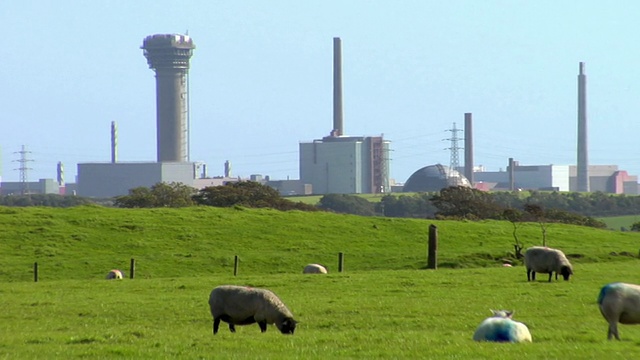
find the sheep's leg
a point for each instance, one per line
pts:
(528, 274)
(232, 328)
(533, 276)
(263, 325)
(551, 274)
(613, 330)
(216, 325)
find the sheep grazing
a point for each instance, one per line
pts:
(546, 260)
(314, 269)
(114, 275)
(619, 303)
(240, 305)
(502, 328)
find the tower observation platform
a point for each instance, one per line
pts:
(168, 55)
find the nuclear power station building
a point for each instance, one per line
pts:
(168, 55)
(340, 164)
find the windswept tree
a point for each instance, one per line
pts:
(537, 213)
(514, 216)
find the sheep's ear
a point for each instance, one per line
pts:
(510, 313)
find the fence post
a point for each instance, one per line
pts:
(340, 262)
(235, 265)
(432, 254)
(132, 268)
(35, 271)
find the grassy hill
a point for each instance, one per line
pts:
(86, 242)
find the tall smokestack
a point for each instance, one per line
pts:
(168, 55)
(338, 129)
(114, 142)
(512, 174)
(583, 162)
(468, 147)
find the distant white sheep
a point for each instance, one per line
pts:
(114, 274)
(619, 303)
(314, 269)
(502, 328)
(241, 305)
(546, 260)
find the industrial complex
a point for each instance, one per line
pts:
(335, 163)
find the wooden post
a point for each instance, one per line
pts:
(432, 254)
(132, 268)
(235, 266)
(35, 271)
(340, 262)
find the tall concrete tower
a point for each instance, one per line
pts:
(583, 159)
(468, 147)
(338, 123)
(168, 55)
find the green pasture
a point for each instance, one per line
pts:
(403, 314)
(384, 304)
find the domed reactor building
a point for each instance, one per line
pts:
(434, 178)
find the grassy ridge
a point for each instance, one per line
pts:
(86, 242)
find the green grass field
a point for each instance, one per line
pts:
(620, 222)
(384, 305)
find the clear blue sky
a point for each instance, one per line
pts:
(261, 80)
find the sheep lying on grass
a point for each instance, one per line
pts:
(619, 303)
(501, 328)
(546, 260)
(314, 269)
(114, 275)
(240, 305)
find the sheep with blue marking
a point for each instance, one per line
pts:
(314, 269)
(241, 305)
(619, 303)
(502, 328)
(546, 260)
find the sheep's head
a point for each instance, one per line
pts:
(566, 271)
(288, 326)
(503, 313)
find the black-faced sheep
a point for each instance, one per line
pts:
(241, 305)
(546, 260)
(619, 303)
(502, 328)
(314, 269)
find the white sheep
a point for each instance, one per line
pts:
(114, 274)
(502, 328)
(241, 305)
(619, 303)
(314, 269)
(546, 260)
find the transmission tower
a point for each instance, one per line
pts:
(24, 170)
(454, 162)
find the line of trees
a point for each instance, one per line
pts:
(241, 193)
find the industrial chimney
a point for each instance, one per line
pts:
(338, 129)
(168, 55)
(114, 142)
(468, 148)
(583, 162)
